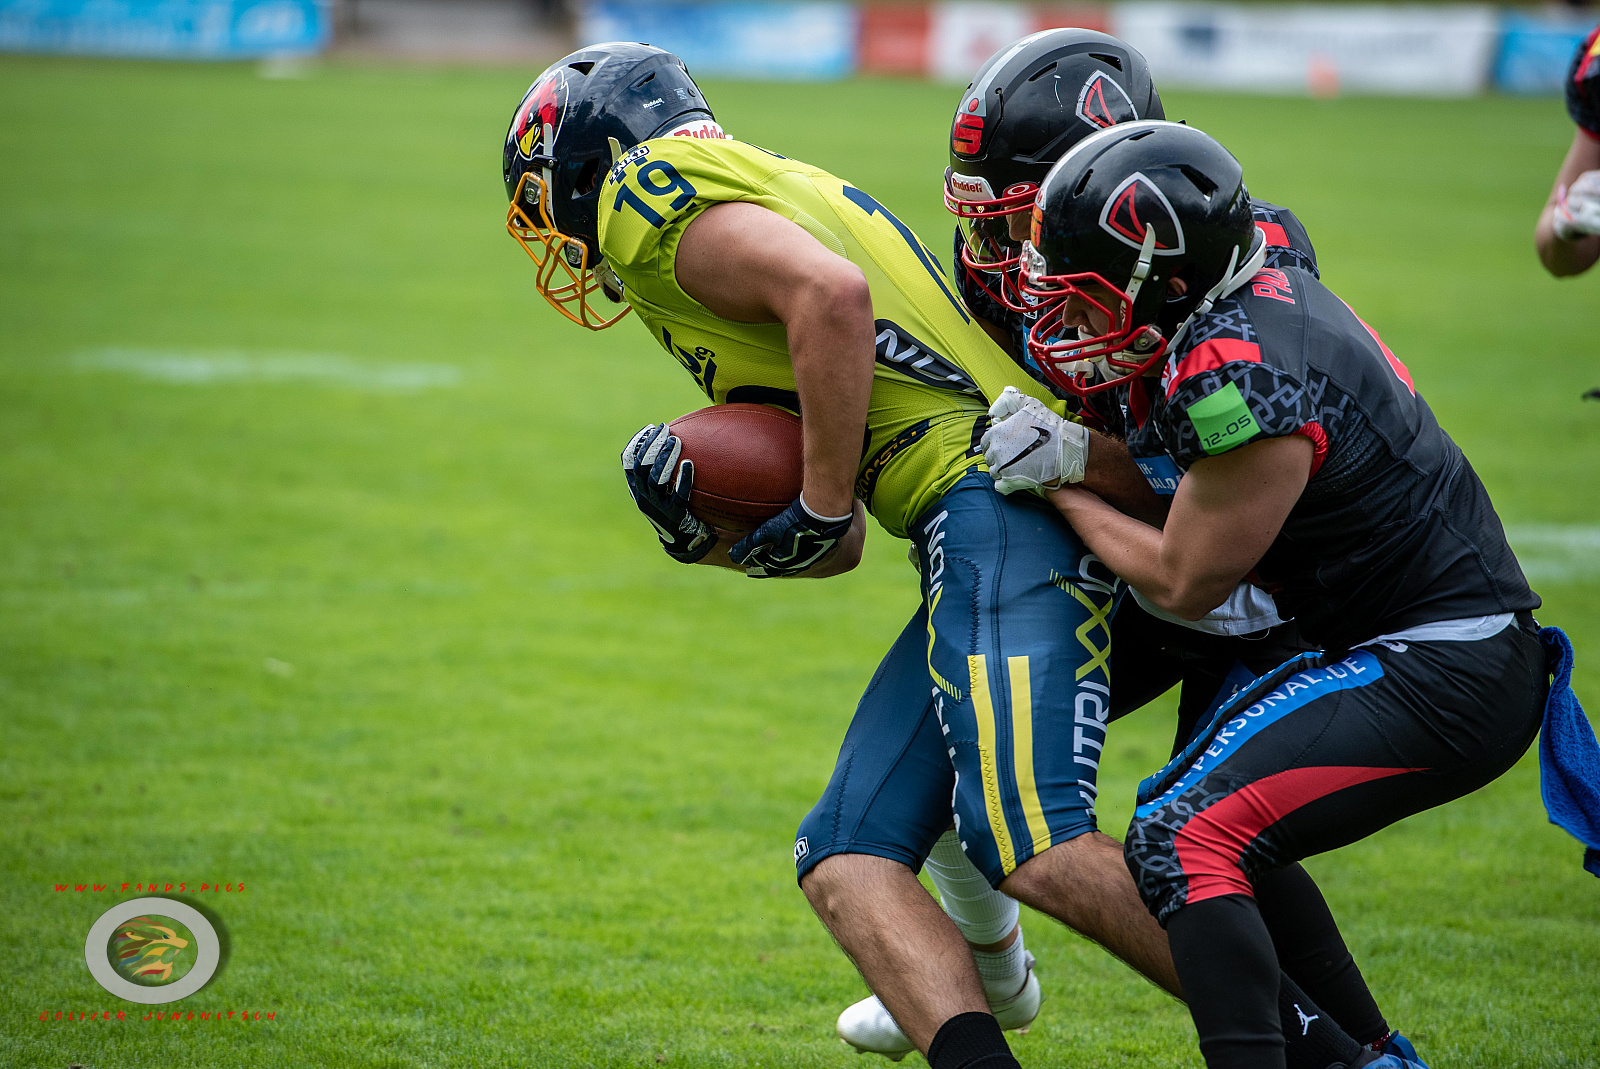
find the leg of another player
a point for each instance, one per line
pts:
(1084, 884)
(988, 920)
(908, 951)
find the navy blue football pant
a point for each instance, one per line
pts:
(990, 706)
(1322, 752)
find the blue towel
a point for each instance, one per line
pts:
(1569, 758)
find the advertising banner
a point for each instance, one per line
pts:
(950, 40)
(1433, 50)
(1536, 50)
(166, 29)
(737, 39)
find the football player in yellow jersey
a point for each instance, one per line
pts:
(772, 281)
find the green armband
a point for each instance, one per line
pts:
(1223, 420)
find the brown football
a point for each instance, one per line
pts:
(747, 463)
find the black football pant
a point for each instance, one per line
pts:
(1149, 656)
(1322, 752)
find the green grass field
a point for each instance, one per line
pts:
(318, 576)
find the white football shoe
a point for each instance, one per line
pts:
(868, 1027)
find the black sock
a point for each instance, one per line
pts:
(1311, 950)
(1312, 1039)
(970, 1041)
(1230, 977)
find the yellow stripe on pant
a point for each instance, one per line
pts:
(1022, 752)
(983, 712)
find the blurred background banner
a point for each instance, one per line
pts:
(1535, 49)
(1321, 49)
(166, 29)
(735, 38)
(1421, 50)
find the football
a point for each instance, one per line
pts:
(747, 463)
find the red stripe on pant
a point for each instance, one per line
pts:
(1211, 843)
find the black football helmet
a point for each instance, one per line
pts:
(598, 101)
(1130, 208)
(1029, 103)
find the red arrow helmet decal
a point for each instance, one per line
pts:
(1138, 203)
(1102, 102)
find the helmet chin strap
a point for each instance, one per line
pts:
(1141, 270)
(1231, 280)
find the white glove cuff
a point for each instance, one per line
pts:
(1074, 451)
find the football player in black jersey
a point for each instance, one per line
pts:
(1311, 467)
(1027, 106)
(1568, 235)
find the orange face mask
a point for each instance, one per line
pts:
(565, 277)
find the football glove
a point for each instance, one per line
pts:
(660, 486)
(790, 542)
(1029, 447)
(1577, 211)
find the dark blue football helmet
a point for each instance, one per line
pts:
(597, 101)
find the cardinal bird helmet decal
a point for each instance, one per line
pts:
(538, 119)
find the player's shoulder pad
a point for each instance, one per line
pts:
(1241, 373)
(1288, 244)
(1583, 85)
(658, 183)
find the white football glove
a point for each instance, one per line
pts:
(1029, 447)
(1577, 211)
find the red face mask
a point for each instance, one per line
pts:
(1068, 357)
(988, 251)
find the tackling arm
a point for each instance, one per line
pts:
(1226, 512)
(1562, 257)
(1111, 474)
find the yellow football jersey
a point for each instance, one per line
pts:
(936, 369)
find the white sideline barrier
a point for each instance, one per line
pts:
(1444, 50)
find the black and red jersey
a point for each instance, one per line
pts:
(1583, 85)
(1394, 528)
(1288, 245)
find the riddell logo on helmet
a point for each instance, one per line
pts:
(971, 187)
(1103, 103)
(539, 118)
(1136, 206)
(706, 128)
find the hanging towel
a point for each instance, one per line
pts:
(1569, 758)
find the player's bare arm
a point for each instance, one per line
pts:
(752, 265)
(1577, 251)
(1111, 475)
(1224, 515)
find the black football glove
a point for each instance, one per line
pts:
(789, 543)
(660, 486)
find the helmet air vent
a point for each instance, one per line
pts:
(583, 66)
(1204, 184)
(1108, 59)
(1041, 72)
(642, 82)
(1083, 182)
